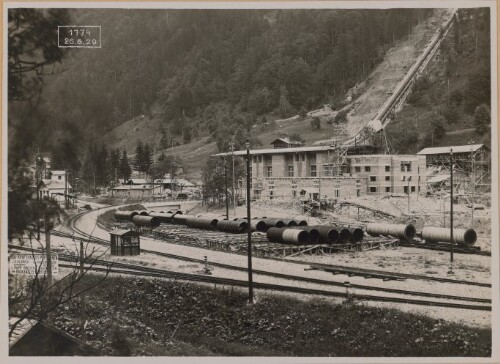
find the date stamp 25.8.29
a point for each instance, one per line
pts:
(79, 36)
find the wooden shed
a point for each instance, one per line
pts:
(125, 242)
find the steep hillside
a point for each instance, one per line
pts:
(213, 72)
(370, 94)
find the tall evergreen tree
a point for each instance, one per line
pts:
(139, 157)
(124, 169)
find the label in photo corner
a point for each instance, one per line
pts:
(79, 36)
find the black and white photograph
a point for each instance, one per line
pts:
(291, 181)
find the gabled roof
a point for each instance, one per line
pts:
(456, 149)
(286, 140)
(278, 150)
(438, 178)
(54, 185)
(134, 187)
(121, 232)
(138, 181)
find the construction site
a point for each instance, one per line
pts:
(345, 221)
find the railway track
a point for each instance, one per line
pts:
(277, 287)
(367, 273)
(66, 257)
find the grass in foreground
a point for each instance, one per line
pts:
(153, 317)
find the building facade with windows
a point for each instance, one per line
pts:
(331, 173)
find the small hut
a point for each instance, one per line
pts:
(125, 242)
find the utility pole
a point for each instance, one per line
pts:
(409, 179)
(249, 231)
(225, 189)
(451, 205)
(172, 168)
(66, 200)
(83, 312)
(37, 182)
(234, 190)
(319, 189)
(473, 184)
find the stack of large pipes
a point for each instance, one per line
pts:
(466, 237)
(400, 231)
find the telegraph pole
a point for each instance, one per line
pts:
(473, 184)
(66, 200)
(37, 177)
(225, 189)
(233, 192)
(409, 179)
(319, 189)
(249, 231)
(451, 205)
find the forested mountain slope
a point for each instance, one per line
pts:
(211, 72)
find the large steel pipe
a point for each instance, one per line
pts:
(460, 236)
(231, 226)
(163, 217)
(290, 222)
(400, 231)
(258, 225)
(327, 234)
(357, 234)
(125, 215)
(301, 222)
(149, 221)
(312, 231)
(202, 222)
(287, 236)
(274, 223)
(143, 213)
(180, 219)
(344, 234)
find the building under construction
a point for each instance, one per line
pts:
(471, 167)
(331, 172)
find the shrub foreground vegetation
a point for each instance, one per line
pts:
(169, 318)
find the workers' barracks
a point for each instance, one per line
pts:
(307, 172)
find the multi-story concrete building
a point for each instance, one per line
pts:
(332, 172)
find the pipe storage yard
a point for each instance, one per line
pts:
(460, 236)
(295, 233)
(400, 231)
